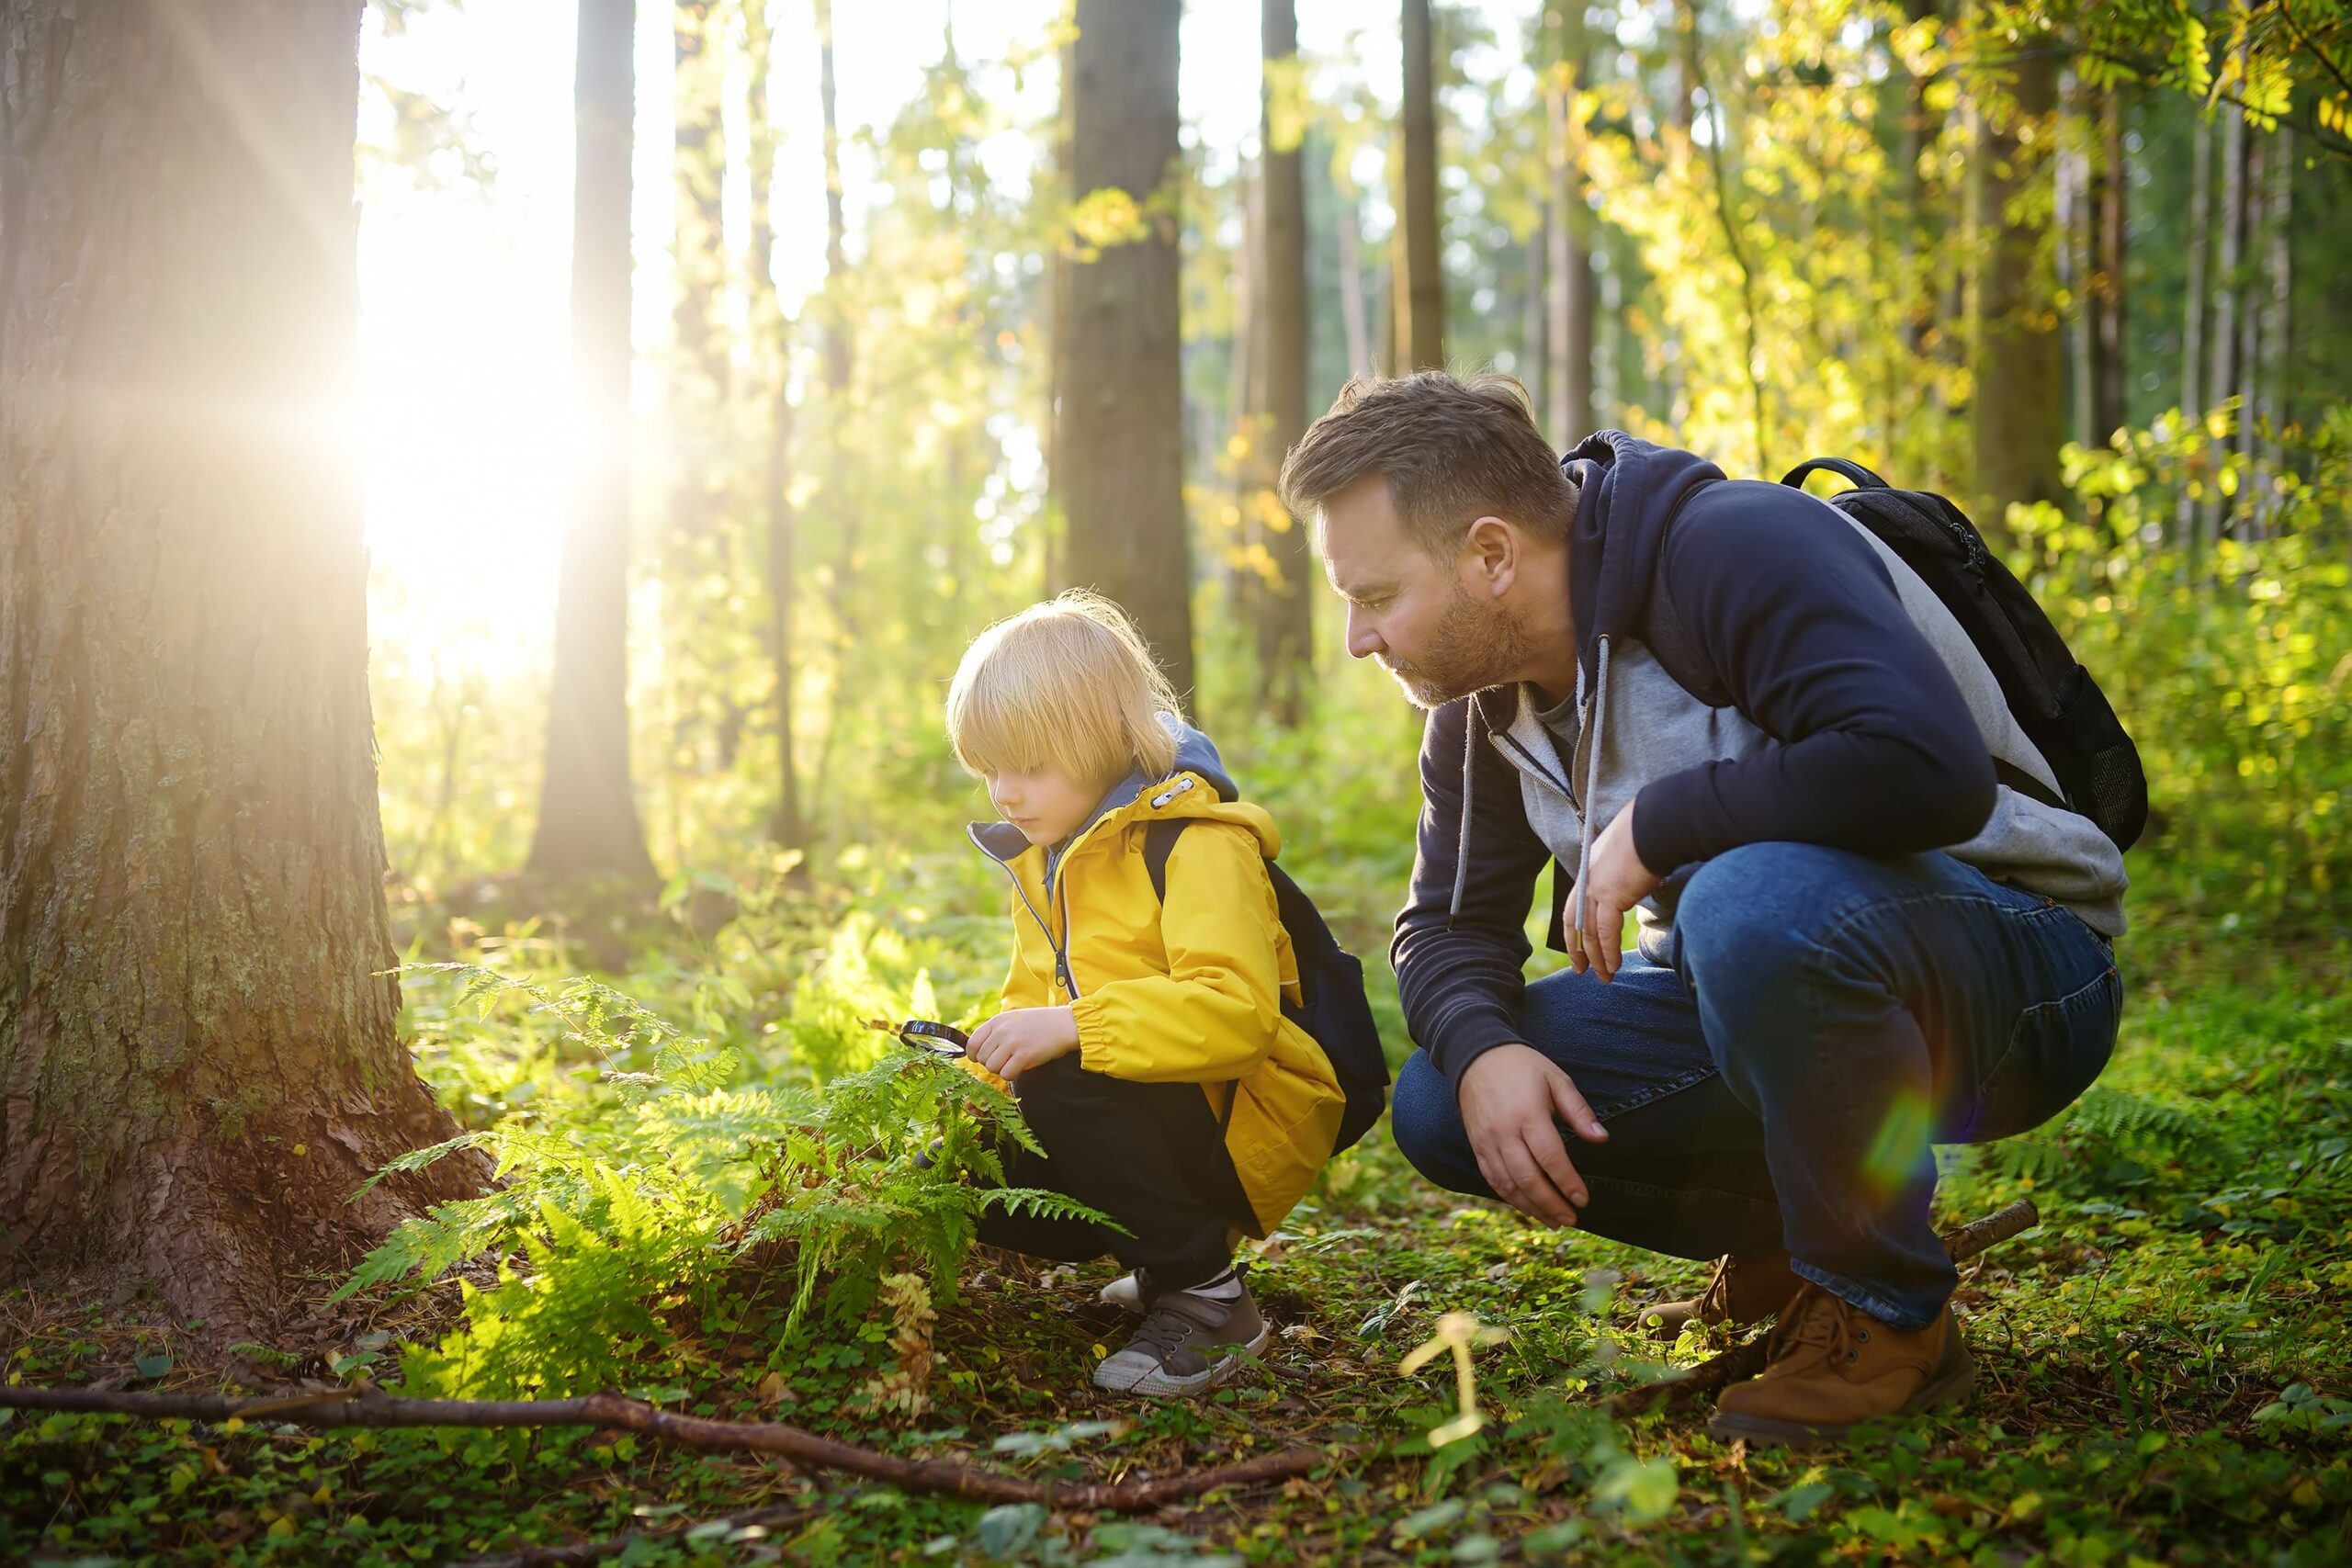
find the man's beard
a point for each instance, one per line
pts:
(1474, 647)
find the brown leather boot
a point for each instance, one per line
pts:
(1742, 1291)
(1834, 1366)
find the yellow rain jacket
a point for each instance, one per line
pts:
(1189, 992)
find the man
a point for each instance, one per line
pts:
(1725, 707)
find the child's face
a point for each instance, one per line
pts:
(1045, 804)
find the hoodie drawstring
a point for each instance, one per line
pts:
(1592, 775)
(1461, 844)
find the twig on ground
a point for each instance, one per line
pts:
(1745, 1360)
(368, 1407)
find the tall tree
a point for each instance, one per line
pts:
(2221, 369)
(1421, 335)
(1285, 612)
(588, 822)
(1120, 445)
(2113, 259)
(197, 1020)
(700, 381)
(2019, 414)
(2192, 333)
(771, 353)
(1570, 226)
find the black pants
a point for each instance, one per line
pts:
(1151, 1155)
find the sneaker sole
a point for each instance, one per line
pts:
(1951, 1388)
(1157, 1384)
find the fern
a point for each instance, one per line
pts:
(640, 1195)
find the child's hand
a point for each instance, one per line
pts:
(1021, 1038)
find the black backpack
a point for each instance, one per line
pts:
(2053, 698)
(1333, 1011)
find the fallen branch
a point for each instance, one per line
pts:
(1745, 1360)
(371, 1407)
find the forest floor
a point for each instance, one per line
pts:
(2165, 1376)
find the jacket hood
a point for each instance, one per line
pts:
(1629, 490)
(1215, 794)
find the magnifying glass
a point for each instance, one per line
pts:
(923, 1034)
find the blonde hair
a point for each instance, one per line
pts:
(1070, 683)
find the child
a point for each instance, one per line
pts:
(1145, 1038)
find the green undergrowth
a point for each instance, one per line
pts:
(724, 1193)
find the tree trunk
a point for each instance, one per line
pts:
(699, 388)
(1571, 237)
(588, 822)
(2192, 333)
(1121, 443)
(2221, 371)
(1353, 318)
(199, 1061)
(1285, 610)
(1058, 327)
(2078, 214)
(2020, 381)
(2250, 311)
(2278, 324)
(2114, 212)
(1422, 337)
(787, 825)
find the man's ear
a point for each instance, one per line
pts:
(1490, 556)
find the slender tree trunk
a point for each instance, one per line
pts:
(1058, 326)
(1121, 443)
(771, 352)
(2077, 213)
(1353, 318)
(199, 1061)
(2114, 294)
(2277, 325)
(588, 822)
(1570, 234)
(2020, 381)
(2250, 310)
(2192, 334)
(1285, 635)
(1423, 286)
(700, 382)
(2221, 371)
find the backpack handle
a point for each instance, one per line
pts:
(1844, 468)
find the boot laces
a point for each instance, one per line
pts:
(1818, 1321)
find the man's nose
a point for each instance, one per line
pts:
(1363, 639)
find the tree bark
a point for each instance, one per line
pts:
(2221, 371)
(2019, 380)
(2278, 324)
(2250, 310)
(2192, 334)
(700, 385)
(788, 824)
(1121, 441)
(2113, 295)
(1353, 318)
(1423, 335)
(1570, 237)
(1285, 610)
(588, 822)
(199, 1061)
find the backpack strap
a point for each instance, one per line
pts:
(1159, 842)
(1845, 469)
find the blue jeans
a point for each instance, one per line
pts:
(1778, 1076)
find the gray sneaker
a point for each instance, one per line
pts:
(1185, 1344)
(1126, 1292)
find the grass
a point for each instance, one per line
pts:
(2165, 1369)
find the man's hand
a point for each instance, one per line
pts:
(1021, 1038)
(1510, 1096)
(1615, 880)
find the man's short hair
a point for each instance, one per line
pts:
(1453, 450)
